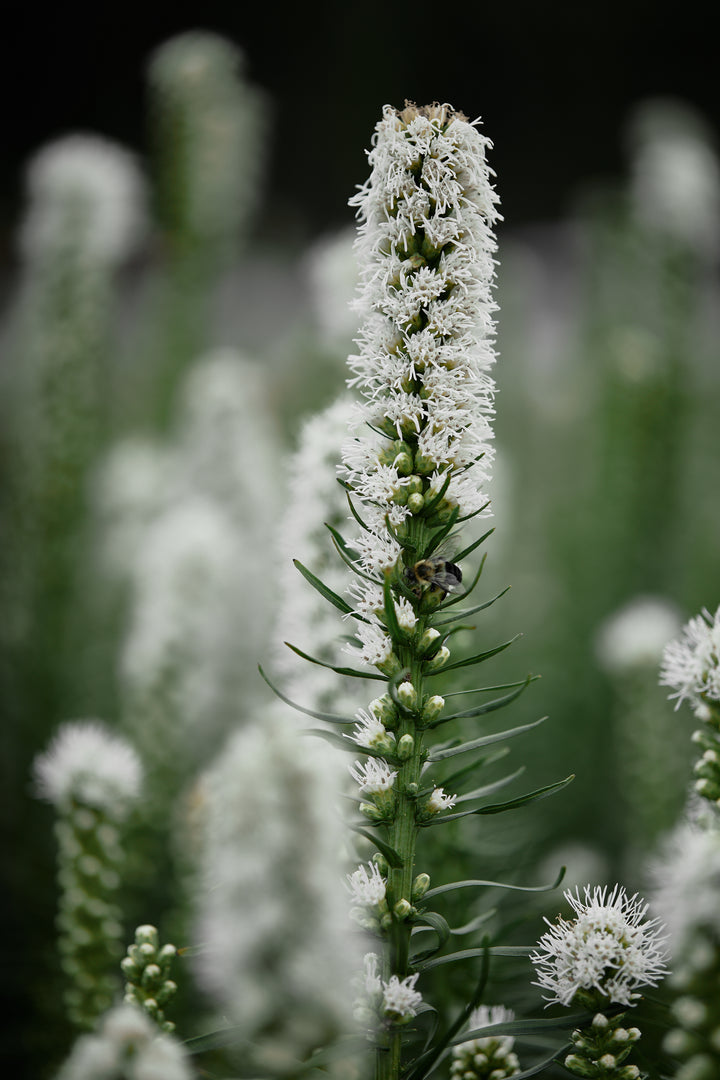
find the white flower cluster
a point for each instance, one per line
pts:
(425, 249)
(127, 1046)
(396, 999)
(691, 664)
(488, 1056)
(609, 947)
(88, 764)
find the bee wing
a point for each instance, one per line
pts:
(446, 580)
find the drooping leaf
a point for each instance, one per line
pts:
(488, 789)
(351, 672)
(329, 718)
(477, 882)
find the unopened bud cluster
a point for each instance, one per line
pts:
(600, 1049)
(489, 1057)
(147, 969)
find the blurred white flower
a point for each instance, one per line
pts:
(332, 273)
(87, 763)
(686, 878)
(675, 173)
(278, 947)
(87, 193)
(636, 635)
(488, 1056)
(127, 1046)
(609, 947)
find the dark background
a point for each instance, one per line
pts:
(554, 84)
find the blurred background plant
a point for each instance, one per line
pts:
(162, 359)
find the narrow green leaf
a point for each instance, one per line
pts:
(470, 611)
(469, 517)
(471, 547)
(340, 540)
(390, 614)
(354, 512)
(526, 1027)
(488, 789)
(456, 778)
(474, 924)
(482, 883)
(484, 740)
(488, 706)
(350, 672)
(393, 858)
(438, 923)
(532, 796)
(327, 592)
(329, 718)
(478, 659)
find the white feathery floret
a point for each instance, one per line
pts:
(636, 634)
(609, 947)
(85, 191)
(86, 763)
(127, 1045)
(373, 776)
(367, 884)
(691, 663)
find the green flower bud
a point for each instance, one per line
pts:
(440, 658)
(146, 935)
(374, 813)
(424, 465)
(433, 707)
(402, 909)
(407, 694)
(600, 1022)
(415, 485)
(579, 1066)
(405, 747)
(628, 1072)
(428, 639)
(415, 503)
(420, 886)
(391, 666)
(411, 789)
(608, 1062)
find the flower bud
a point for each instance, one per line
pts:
(407, 694)
(433, 707)
(420, 886)
(428, 639)
(405, 747)
(440, 658)
(415, 503)
(402, 909)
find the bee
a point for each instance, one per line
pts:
(434, 573)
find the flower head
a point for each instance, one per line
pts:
(687, 880)
(367, 884)
(88, 764)
(691, 663)
(400, 998)
(373, 776)
(609, 947)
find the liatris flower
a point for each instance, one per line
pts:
(92, 778)
(691, 667)
(604, 956)
(127, 1046)
(487, 1057)
(206, 132)
(147, 969)
(278, 948)
(608, 951)
(687, 878)
(636, 635)
(389, 1001)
